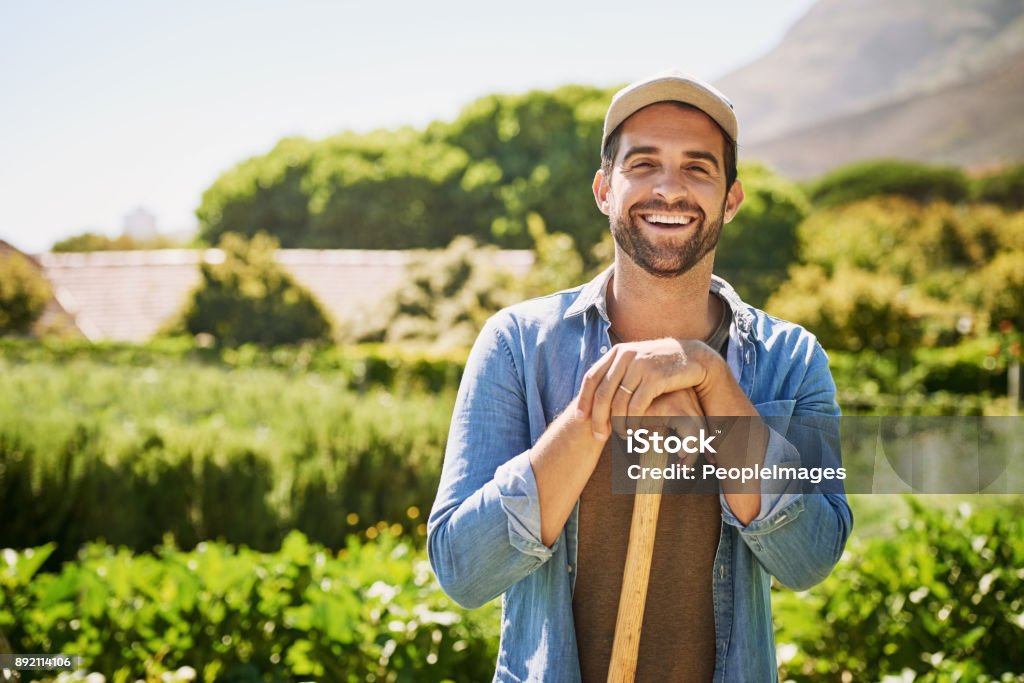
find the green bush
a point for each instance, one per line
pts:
(259, 194)
(91, 241)
(128, 454)
(370, 612)
(950, 271)
(915, 181)
(249, 298)
(942, 599)
(959, 380)
(503, 158)
(445, 300)
(999, 289)
(1005, 188)
(24, 293)
(360, 367)
(849, 311)
(761, 242)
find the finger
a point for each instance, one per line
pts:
(592, 380)
(622, 400)
(643, 397)
(601, 409)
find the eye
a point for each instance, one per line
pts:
(698, 169)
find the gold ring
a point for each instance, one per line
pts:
(628, 391)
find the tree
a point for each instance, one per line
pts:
(24, 293)
(262, 194)
(447, 297)
(387, 190)
(849, 311)
(503, 158)
(1005, 188)
(557, 264)
(950, 270)
(539, 152)
(917, 181)
(999, 289)
(761, 242)
(91, 241)
(249, 298)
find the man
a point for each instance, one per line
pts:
(524, 506)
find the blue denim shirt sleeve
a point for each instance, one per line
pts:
(799, 537)
(483, 534)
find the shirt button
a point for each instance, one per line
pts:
(570, 568)
(604, 349)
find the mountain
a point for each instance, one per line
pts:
(934, 80)
(972, 124)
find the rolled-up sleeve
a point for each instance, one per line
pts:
(801, 530)
(483, 534)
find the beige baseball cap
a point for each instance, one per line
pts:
(670, 86)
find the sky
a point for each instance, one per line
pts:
(106, 106)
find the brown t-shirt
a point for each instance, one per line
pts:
(677, 643)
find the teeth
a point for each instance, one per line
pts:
(675, 220)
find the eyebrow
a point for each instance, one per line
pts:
(707, 156)
(692, 154)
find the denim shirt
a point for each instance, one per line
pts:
(484, 531)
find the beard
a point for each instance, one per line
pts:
(667, 258)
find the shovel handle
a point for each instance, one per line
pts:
(637, 574)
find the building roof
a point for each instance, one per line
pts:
(129, 295)
(54, 318)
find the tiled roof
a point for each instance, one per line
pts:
(128, 295)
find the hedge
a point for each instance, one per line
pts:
(128, 454)
(942, 599)
(369, 612)
(878, 177)
(362, 366)
(934, 595)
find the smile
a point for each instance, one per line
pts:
(661, 220)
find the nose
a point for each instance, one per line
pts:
(671, 185)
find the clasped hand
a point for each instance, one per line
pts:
(654, 378)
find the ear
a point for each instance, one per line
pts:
(601, 192)
(733, 199)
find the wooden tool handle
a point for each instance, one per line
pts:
(637, 574)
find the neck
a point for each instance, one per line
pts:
(642, 306)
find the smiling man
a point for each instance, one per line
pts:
(525, 505)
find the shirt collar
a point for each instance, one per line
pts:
(594, 295)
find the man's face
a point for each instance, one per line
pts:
(665, 197)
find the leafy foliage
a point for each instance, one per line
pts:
(370, 612)
(919, 182)
(358, 367)
(1005, 188)
(531, 152)
(503, 158)
(261, 194)
(942, 599)
(24, 293)
(557, 265)
(945, 270)
(91, 241)
(761, 242)
(131, 453)
(249, 298)
(999, 288)
(852, 310)
(447, 297)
